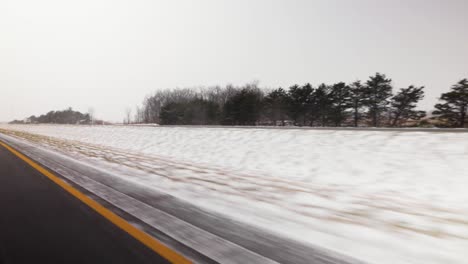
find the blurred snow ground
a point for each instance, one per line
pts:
(379, 196)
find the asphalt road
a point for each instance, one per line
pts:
(42, 223)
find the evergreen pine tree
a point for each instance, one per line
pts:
(455, 108)
(404, 103)
(341, 102)
(378, 90)
(299, 102)
(275, 105)
(357, 100)
(320, 105)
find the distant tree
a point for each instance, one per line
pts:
(172, 114)
(15, 122)
(128, 116)
(139, 115)
(244, 107)
(153, 105)
(67, 116)
(300, 102)
(152, 108)
(210, 113)
(220, 95)
(33, 119)
(197, 112)
(320, 105)
(276, 105)
(340, 102)
(455, 107)
(358, 100)
(378, 90)
(404, 103)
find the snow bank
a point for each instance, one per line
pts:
(383, 197)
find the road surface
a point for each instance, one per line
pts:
(40, 222)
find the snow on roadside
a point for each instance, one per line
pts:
(383, 197)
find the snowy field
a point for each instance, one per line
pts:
(380, 196)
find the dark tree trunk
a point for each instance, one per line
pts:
(374, 118)
(356, 116)
(396, 119)
(462, 116)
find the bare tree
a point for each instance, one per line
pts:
(139, 114)
(128, 116)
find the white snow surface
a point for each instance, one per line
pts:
(379, 196)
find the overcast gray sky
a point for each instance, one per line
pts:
(109, 54)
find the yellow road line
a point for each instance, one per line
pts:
(141, 236)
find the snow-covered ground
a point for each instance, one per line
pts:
(382, 197)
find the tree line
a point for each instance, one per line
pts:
(67, 116)
(371, 103)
